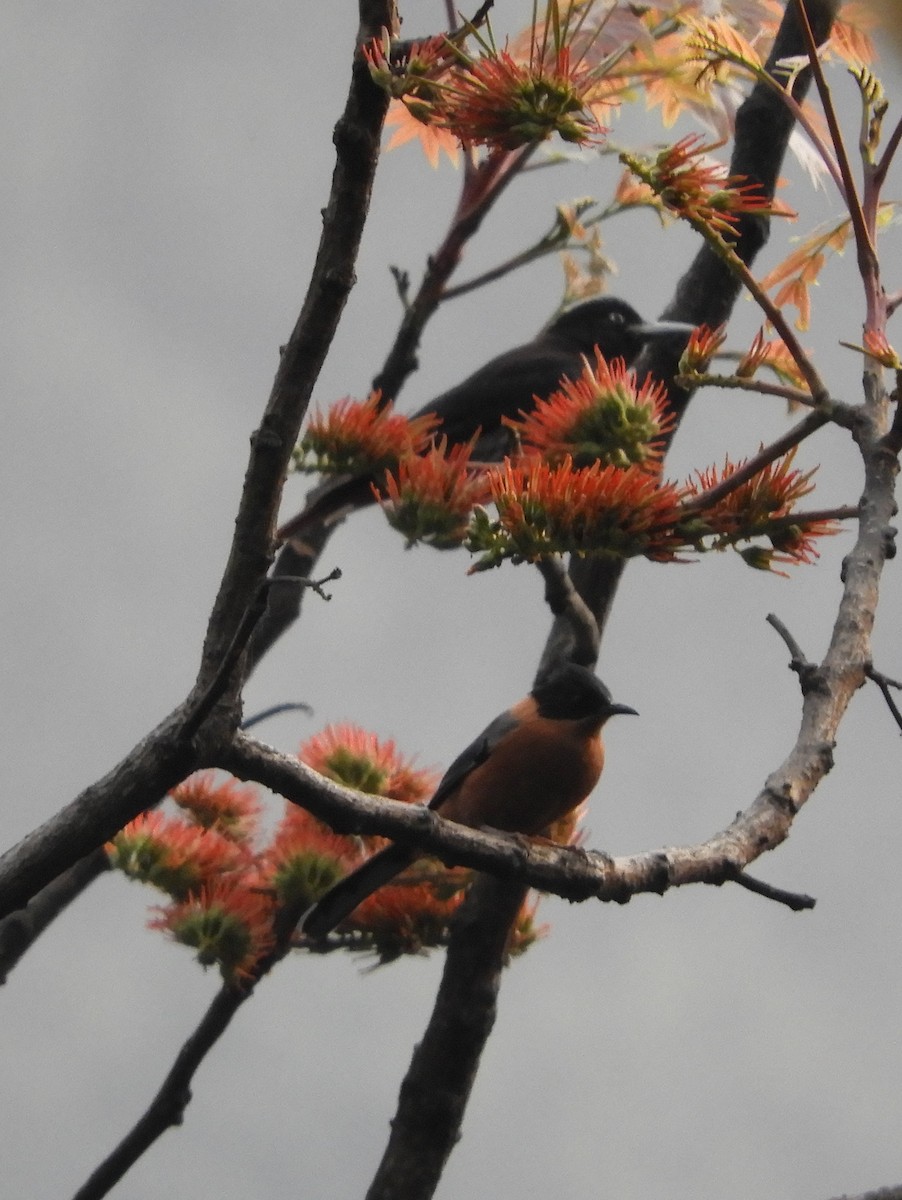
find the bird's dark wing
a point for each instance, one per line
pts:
(474, 755)
(341, 900)
(503, 387)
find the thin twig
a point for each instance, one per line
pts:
(168, 1106)
(276, 710)
(304, 581)
(772, 312)
(792, 645)
(796, 901)
(791, 395)
(867, 255)
(886, 684)
(889, 151)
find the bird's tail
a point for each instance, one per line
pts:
(341, 900)
(330, 504)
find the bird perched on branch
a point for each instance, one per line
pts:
(531, 766)
(505, 387)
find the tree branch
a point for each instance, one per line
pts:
(575, 874)
(168, 1106)
(437, 1085)
(175, 749)
(20, 929)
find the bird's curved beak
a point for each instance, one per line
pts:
(652, 330)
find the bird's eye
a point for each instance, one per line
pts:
(616, 318)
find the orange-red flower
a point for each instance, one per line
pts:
(412, 913)
(604, 416)
(774, 354)
(172, 855)
(226, 922)
(360, 436)
(306, 857)
(762, 506)
(499, 101)
(771, 492)
(429, 497)
(411, 71)
(595, 510)
(358, 759)
(703, 344)
(794, 544)
(879, 348)
(702, 192)
(221, 804)
(496, 98)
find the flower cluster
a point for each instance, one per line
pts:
(595, 510)
(429, 497)
(732, 508)
(700, 349)
(228, 922)
(220, 903)
(500, 98)
(604, 416)
(407, 915)
(358, 759)
(360, 437)
(223, 805)
(174, 855)
(772, 354)
(414, 71)
(699, 189)
(305, 858)
(613, 512)
(498, 101)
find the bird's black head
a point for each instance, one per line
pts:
(613, 326)
(571, 693)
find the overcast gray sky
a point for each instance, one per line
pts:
(163, 170)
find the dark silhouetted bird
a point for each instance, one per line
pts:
(534, 764)
(506, 386)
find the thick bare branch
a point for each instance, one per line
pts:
(437, 1085)
(20, 929)
(568, 872)
(175, 749)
